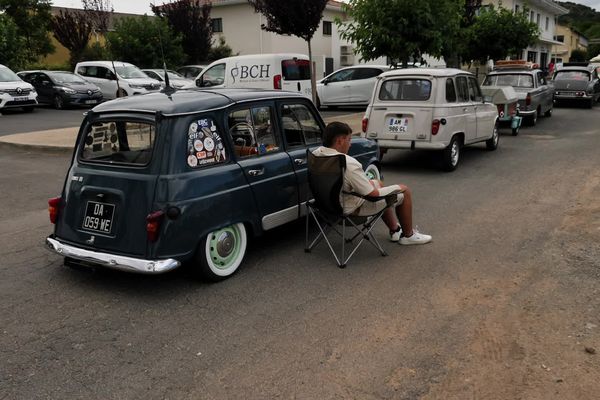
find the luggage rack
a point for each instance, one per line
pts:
(515, 64)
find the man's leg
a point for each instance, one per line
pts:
(404, 212)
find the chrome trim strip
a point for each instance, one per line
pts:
(279, 218)
(111, 260)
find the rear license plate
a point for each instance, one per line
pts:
(98, 217)
(91, 101)
(398, 125)
(20, 98)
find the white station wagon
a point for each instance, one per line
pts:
(430, 109)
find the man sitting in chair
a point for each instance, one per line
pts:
(336, 141)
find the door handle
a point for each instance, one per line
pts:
(256, 172)
(380, 108)
(299, 161)
(465, 109)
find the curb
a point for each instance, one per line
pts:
(35, 147)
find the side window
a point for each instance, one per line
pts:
(125, 142)
(541, 78)
(205, 144)
(300, 127)
(251, 131)
(44, 79)
(84, 71)
(341, 76)
(474, 92)
(366, 73)
(213, 76)
(450, 91)
(463, 89)
(104, 73)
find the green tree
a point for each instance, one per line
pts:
(498, 33)
(579, 55)
(190, 19)
(300, 18)
(221, 50)
(138, 40)
(11, 44)
(32, 18)
(400, 29)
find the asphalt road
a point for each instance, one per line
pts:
(499, 306)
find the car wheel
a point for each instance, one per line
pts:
(58, 102)
(221, 252)
(28, 109)
(532, 119)
(492, 143)
(121, 93)
(548, 113)
(590, 103)
(451, 155)
(373, 173)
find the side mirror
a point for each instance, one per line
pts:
(46, 83)
(325, 82)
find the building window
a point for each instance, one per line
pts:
(547, 23)
(532, 56)
(539, 19)
(327, 28)
(531, 16)
(516, 8)
(217, 25)
(559, 38)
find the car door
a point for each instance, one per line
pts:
(267, 167)
(101, 77)
(466, 109)
(546, 93)
(336, 88)
(362, 84)
(485, 113)
(45, 88)
(301, 130)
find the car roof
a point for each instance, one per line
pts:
(576, 68)
(436, 72)
(189, 100)
(513, 71)
(103, 63)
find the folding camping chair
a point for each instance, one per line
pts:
(325, 178)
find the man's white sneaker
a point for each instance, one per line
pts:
(416, 238)
(395, 236)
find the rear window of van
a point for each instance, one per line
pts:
(295, 70)
(123, 142)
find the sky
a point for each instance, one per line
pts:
(143, 6)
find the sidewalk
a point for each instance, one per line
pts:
(64, 139)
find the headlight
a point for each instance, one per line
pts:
(68, 90)
(3, 91)
(136, 86)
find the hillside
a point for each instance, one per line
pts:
(582, 18)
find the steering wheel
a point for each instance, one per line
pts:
(242, 130)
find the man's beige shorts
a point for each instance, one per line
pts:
(373, 207)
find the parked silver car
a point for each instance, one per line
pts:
(534, 92)
(577, 82)
(350, 86)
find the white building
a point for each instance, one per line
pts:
(544, 13)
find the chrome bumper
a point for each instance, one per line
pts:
(112, 260)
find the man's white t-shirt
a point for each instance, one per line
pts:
(355, 180)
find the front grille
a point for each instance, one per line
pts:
(20, 103)
(152, 86)
(19, 92)
(90, 92)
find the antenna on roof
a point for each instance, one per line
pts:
(168, 88)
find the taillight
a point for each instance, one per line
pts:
(54, 205)
(501, 110)
(277, 82)
(153, 221)
(435, 126)
(365, 124)
(528, 100)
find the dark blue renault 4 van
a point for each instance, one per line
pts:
(165, 178)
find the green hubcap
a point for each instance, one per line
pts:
(224, 246)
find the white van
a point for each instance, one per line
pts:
(14, 92)
(285, 71)
(117, 78)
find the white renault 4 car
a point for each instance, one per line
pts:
(430, 109)
(14, 92)
(117, 78)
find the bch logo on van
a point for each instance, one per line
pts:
(250, 72)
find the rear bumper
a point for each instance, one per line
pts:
(410, 144)
(114, 261)
(572, 97)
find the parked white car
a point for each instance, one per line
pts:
(430, 109)
(117, 79)
(350, 86)
(176, 80)
(14, 92)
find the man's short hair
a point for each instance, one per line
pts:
(333, 130)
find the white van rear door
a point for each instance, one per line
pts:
(295, 76)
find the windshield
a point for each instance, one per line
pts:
(514, 80)
(6, 75)
(174, 75)
(572, 76)
(66, 77)
(130, 71)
